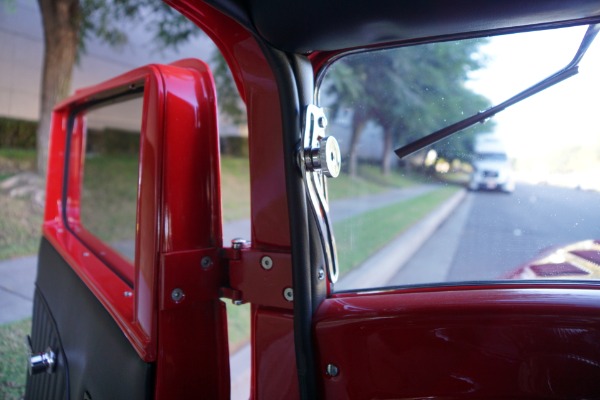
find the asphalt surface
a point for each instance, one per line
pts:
(492, 233)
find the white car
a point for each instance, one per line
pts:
(492, 171)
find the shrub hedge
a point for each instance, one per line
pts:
(21, 134)
(17, 133)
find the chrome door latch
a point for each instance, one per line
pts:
(41, 362)
(321, 158)
(322, 152)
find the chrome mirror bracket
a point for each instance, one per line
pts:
(320, 158)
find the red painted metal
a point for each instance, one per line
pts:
(269, 207)
(497, 342)
(500, 341)
(134, 314)
(274, 361)
(179, 224)
(255, 79)
(258, 285)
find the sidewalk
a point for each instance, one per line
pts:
(16, 288)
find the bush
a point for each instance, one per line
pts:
(113, 141)
(236, 146)
(17, 133)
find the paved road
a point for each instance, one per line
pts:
(492, 233)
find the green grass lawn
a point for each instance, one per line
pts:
(20, 227)
(15, 160)
(359, 237)
(368, 181)
(13, 359)
(235, 188)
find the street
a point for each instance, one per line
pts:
(492, 233)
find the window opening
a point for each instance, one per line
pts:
(496, 202)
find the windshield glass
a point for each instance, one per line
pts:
(491, 157)
(497, 201)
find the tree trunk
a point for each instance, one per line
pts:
(358, 124)
(61, 19)
(388, 152)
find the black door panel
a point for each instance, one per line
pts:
(94, 356)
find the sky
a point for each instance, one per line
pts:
(555, 118)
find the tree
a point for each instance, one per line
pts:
(408, 92)
(61, 20)
(68, 24)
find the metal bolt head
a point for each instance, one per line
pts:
(332, 370)
(322, 122)
(330, 158)
(206, 262)
(288, 293)
(177, 295)
(127, 293)
(239, 243)
(321, 274)
(266, 262)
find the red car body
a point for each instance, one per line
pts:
(500, 340)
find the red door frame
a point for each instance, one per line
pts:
(274, 373)
(178, 226)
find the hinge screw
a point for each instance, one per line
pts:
(239, 243)
(332, 370)
(206, 262)
(288, 293)
(177, 295)
(266, 262)
(321, 274)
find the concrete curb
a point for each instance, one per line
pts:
(381, 267)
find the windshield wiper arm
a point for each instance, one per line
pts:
(570, 70)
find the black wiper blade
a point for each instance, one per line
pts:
(483, 115)
(570, 70)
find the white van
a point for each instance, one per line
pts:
(491, 166)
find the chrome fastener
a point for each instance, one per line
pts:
(325, 158)
(288, 293)
(206, 262)
(40, 362)
(177, 295)
(239, 243)
(322, 122)
(266, 262)
(321, 274)
(332, 370)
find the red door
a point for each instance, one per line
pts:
(128, 271)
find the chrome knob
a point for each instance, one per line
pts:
(325, 158)
(41, 362)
